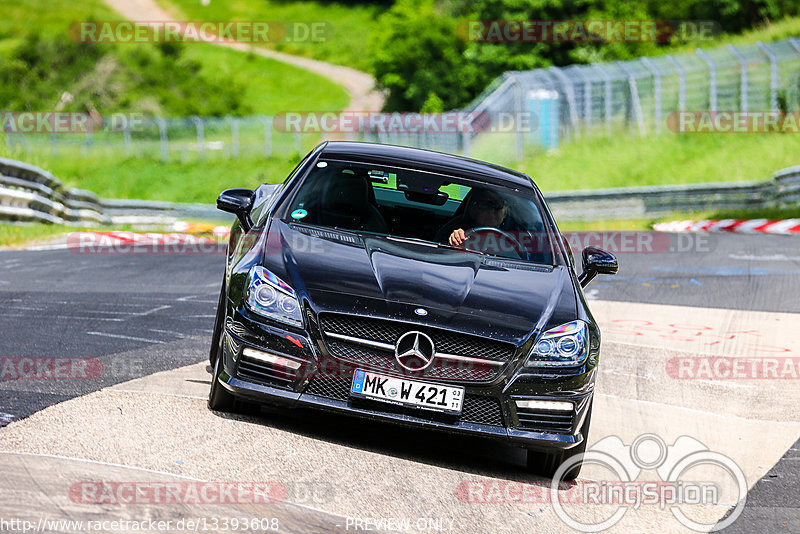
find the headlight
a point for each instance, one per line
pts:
(270, 297)
(562, 346)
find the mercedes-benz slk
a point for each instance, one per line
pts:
(413, 287)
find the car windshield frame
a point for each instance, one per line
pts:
(283, 210)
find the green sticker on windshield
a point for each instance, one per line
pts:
(299, 214)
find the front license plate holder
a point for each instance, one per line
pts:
(407, 392)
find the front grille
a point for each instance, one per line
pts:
(545, 421)
(445, 341)
(482, 410)
(330, 387)
(378, 360)
(388, 332)
(477, 409)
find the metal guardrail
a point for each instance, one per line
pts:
(31, 194)
(644, 202)
(28, 193)
(783, 190)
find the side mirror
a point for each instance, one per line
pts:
(238, 202)
(596, 261)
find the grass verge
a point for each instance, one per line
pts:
(347, 26)
(151, 179)
(630, 161)
(12, 235)
(773, 214)
(131, 76)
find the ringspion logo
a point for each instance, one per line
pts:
(688, 478)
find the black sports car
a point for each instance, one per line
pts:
(409, 286)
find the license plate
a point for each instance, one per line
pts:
(402, 392)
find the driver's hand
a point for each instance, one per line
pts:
(457, 238)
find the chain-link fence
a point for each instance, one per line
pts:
(640, 94)
(540, 108)
(170, 139)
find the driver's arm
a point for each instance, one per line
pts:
(457, 238)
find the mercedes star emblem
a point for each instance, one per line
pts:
(414, 351)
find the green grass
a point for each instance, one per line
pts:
(19, 16)
(630, 161)
(151, 179)
(13, 235)
(773, 214)
(348, 26)
(769, 31)
(268, 86)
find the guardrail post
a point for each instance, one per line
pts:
(743, 104)
(201, 135)
(517, 114)
(773, 75)
(607, 100)
(267, 134)
(656, 91)
(681, 83)
(162, 133)
(587, 99)
(88, 143)
(712, 80)
(126, 136)
(234, 137)
(569, 90)
(635, 105)
(465, 143)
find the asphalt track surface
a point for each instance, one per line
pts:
(144, 314)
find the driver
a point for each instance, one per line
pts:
(485, 208)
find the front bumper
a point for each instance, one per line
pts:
(488, 411)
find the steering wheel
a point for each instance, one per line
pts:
(520, 250)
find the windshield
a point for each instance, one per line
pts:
(408, 204)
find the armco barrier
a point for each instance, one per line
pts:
(643, 202)
(28, 193)
(31, 194)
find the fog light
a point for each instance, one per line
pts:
(272, 359)
(551, 406)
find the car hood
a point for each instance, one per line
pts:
(379, 276)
